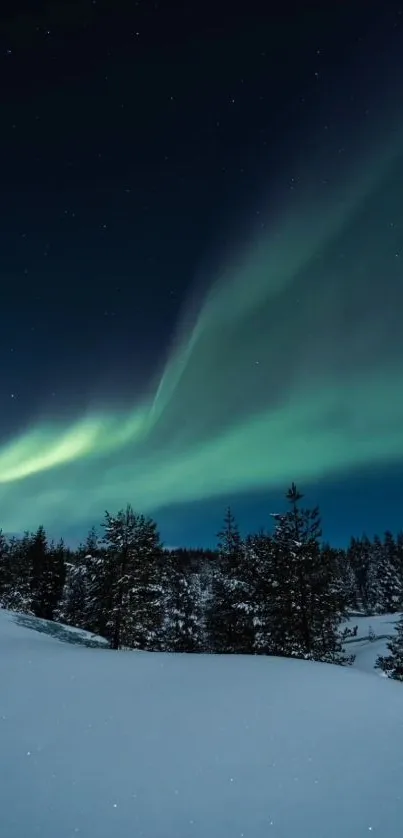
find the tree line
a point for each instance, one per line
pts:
(285, 592)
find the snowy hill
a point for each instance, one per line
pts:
(373, 634)
(58, 631)
(95, 743)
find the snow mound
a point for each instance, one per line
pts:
(11, 624)
(95, 743)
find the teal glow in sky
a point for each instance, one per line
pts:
(291, 370)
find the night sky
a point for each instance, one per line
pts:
(201, 264)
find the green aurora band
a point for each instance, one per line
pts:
(293, 368)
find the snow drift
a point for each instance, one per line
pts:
(95, 743)
(371, 640)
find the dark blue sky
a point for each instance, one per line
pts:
(135, 138)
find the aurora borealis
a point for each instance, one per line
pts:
(286, 365)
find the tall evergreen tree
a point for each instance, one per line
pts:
(309, 596)
(344, 573)
(231, 609)
(384, 587)
(53, 579)
(134, 561)
(47, 574)
(5, 570)
(360, 553)
(86, 598)
(268, 575)
(182, 606)
(390, 582)
(296, 538)
(19, 593)
(73, 605)
(37, 549)
(399, 558)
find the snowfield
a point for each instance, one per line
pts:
(367, 649)
(97, 744)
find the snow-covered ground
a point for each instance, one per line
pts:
(59, 631)
(371, 640)
(95, 744)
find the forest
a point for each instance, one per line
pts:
(286, 592)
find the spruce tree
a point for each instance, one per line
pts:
(390, 583)
(47, 574)
(86, 598)
(5, 570)
(73, 606)
(269, 584)
(399, 559)
(296, 538)
(133, 556)
(309, 593)
(344, 575)
(37, 550)
(384, 590)
(53, 580)
(99, 575)
(182, 620)
(231, 608)
(19, 597)
(375, 604)
(360, 555)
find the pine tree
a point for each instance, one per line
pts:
(134, 562)
(390, 583)
(309, 594)
(345, 577)
(231, 610)
(47, 574)
(268, 575)
(399, 558)
(37, 549)
(383, 585)
(375, 597)
(86, 599)
(73, 606)
(53, 580)
(19, 595)
(360, 554)
(296, 538)
(182, 624)
(5, 569)
(100, 576)
(392, 664)
(331, 607)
